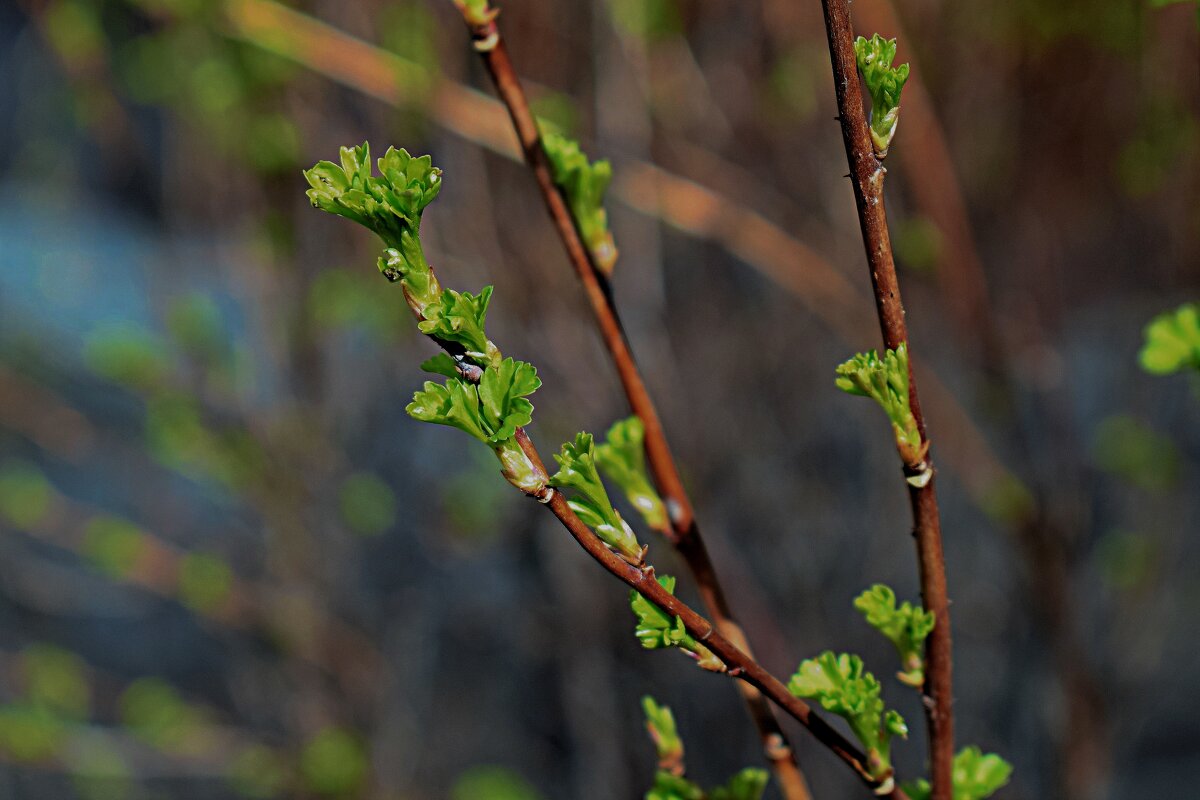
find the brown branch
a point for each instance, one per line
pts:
(867, 174)
(683, 531)
(739, 663)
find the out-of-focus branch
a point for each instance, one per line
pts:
(864, 154)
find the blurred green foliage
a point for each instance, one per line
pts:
(113, 545)
(25, 494)
(127, 354)
(153, 710)
(333, 763)
(492, 783)
(56, 680)
(205, 581)
(258, 772)
(1133, 451)
(367, 504)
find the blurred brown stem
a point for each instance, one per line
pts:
(867, 175)
(683, 531)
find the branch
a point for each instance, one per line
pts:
(683, 532)
(867, 174)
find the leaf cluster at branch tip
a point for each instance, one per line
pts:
(1172, 341)
(477, 13)
(842, 686)
(577, 470)
(584, 184)
(884, 83)
(906, 626)
(885, 380)
(622, 458)
(389, 204)
(657, 629)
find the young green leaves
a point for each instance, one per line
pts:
(622, 458)
(884, 83)
(490, 411)
(669, 781)
(1173, 341)
(906, 626)
(885, 380)
(390, 204)
(577, 470)
(843, 687)
(656, 629)
(584, 184)
(975, 776)
(460, 317)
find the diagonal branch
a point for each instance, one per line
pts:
(683, 531)
(867, 174)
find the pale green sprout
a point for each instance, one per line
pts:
(490, 411)
(657, 629)
(885, 380)
(669, 780)
(622, 458)
(1173, 341)
(577, 470)
(584, 184)
(841, 685)
(906, 626)
(660, 724)
(974, 776)
(884, 83)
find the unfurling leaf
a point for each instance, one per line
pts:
(577, 470)
(906, 626)
(975, 776)
(1173, 341)
(460, 317)
(885, 380)
(657, 629)
(584, 184)
(622, 458)
(884, 83)
(390, 205)
(841, 685)
(669, 780)
(491, 412)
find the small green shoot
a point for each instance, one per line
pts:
(657, 629)
(841, 685)
(906, 626)
(885, 380)
(577, 470)
(622, 458)
(884, 83)
(584, 184)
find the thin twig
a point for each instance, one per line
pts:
(867, 174)
(683, 532)
(749, 671)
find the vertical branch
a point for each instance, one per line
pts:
(683, 531)
(867, 174)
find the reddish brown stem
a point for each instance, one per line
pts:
(867, 174)
(642, 581)
(683, 531)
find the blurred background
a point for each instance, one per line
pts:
(231, 566)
